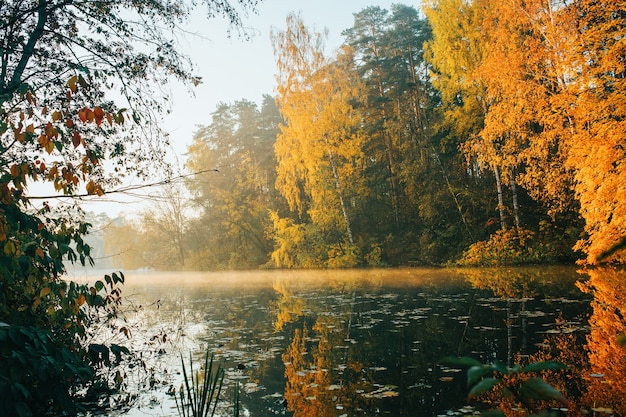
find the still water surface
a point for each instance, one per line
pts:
(347, 343)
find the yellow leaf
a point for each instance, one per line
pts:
(45, 290)
(49, 146)
(71, 83)
(9, 248)
(91, 188)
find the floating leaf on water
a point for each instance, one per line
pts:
(602, 410)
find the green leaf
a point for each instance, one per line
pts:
(482, 387)
(538, 389)
(463, 361)
(544, 366)
(500, 367)
(475, 373)
(621, 340)
(23, 410)
(99, 285)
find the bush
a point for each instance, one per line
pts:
(37, 373)
(507, 247)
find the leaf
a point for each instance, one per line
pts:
(82, 115)
(80, 300)
(91, 188)
(76, 139)
(500, 367)
(44, 291)
(482, 387)
(99, 285)
(475, 373)
(71, 83)
(538, 389)
(98, 115)
(544, 366)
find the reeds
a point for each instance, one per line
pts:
(201, 390)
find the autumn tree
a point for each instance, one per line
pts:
(415, 203)
(80, 84)
(319, 148)
(234, 187)
(521, 127)
(597, 110)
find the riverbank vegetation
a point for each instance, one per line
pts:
(472, 132)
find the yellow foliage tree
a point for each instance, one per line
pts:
(319, 148)
(598, 114)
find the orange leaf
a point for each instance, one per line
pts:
(30, 128)
(51, 131)
(80, 300)
(69, 123)
(98, 114)
(39, 252)
(91, 188)
(45, 290)
(82, 115)
(76, 139)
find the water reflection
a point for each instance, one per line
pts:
(342, 343)
(607, 357)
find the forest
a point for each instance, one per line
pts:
(470, 133)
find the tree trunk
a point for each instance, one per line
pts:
(496, 172)
(344, 211)
(515, 202)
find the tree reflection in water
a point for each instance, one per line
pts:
(607, 357)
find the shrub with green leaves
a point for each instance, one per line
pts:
(521, 383)
(37, 373)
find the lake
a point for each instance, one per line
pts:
(370, 342)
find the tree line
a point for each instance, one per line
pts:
(475, 132)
